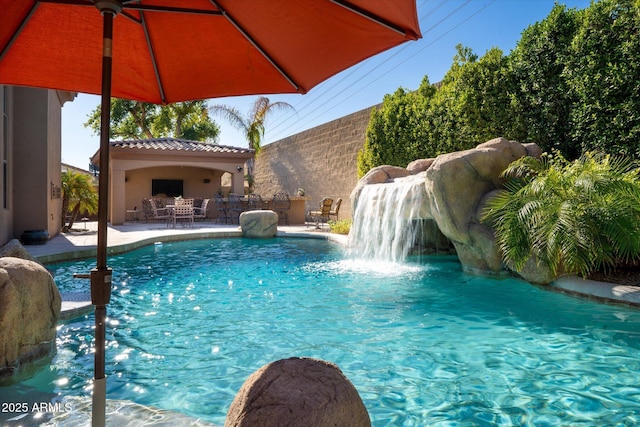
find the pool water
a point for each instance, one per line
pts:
(422, 342)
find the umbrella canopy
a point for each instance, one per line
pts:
(168, 51)
(165, 51)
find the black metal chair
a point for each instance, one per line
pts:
(222, 208)
(235, 208)
(282, 205)
(200, 212)
(255, 202)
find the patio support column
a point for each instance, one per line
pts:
(237, 183)
(118, 191)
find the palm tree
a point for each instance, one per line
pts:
(79, 194)
(574, 217)
(252, 125)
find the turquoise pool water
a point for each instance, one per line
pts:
(424, 343)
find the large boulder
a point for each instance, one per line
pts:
(259, 223)
(30, 305)
(15, 249)
(419, 165)
(297, 392)
(457, 184)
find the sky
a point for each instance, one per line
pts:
(477, 24)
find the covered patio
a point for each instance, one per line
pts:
(169, 167)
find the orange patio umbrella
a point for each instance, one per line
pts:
(165, 51)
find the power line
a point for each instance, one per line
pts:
(301, 125)
(285, 120)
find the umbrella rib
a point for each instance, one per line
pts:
(256, 45)
(130, 17)
(375, 18)
(152, 55)
(147, 8)
(18, 30)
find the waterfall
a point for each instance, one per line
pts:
(388, 218)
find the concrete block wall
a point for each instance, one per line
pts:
(322, 160)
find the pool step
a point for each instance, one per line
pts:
(75, 304)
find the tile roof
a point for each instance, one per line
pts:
(175, 144)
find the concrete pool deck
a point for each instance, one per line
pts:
(81, 242)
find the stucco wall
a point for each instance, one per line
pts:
(6, 152)
(36, 160)
(322, 160)
(32, 143)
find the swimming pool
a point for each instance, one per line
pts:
(423, 343)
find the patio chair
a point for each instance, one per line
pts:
(322, 216)
(200, 212)
(335, 212)
(255, 202)
(182, 212)
(154, 209)
(282, 204)
(235, 207)
(222, 208)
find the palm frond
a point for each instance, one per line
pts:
(571, 216)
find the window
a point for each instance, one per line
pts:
(170, 187)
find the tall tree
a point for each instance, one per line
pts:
(396, 132)
(542, 99)
(467, 108)
(252, 125)
(604, 74)
(141, 120)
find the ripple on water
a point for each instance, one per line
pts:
(423, 343)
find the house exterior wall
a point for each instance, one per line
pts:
(31, 150)
(55, 101)
(37, 152)
(6, 136)
(321, 160)
(30, 170)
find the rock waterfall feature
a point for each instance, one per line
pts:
(451, 192)
(396, 209)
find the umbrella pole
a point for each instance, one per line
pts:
(101, 275)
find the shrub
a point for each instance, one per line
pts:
(575, 217)
(340, 227)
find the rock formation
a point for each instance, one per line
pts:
(458, 185)
(297, 392)
(15, 249)
(259, 223)
(29, 309)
